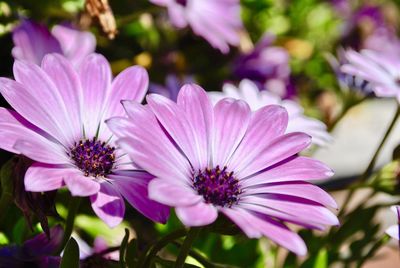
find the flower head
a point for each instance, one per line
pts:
(32, 41)
(226, 159)
(58, 122)
(216, 21)
(256, 99)
(382, 71)
(393, 230)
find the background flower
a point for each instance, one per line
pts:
(382, 71)
(216, 21)
(267, 66)
(32, 41)
(227, 159)
(256, 99)
(393, 230)
(35, 252)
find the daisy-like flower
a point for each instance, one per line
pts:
(227, 159)
(256, 99)
(58, 122)
(393, 231)
(382, 71)
(32, 41)
(218, 22)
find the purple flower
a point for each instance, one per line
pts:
(227, 159)
(33, 41)
(36, 252)
(347, 81)
(216, 21)
(172, 85)
(58, 122)
(393, 230)
(381, 70)
(267, 66)
(256, 99)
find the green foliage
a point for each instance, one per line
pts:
(71, 255)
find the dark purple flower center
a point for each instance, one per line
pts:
(182, 2)
(217, 186)
(93, 157)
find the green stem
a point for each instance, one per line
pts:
(186, 246)
(5, 200)
(152, 250)
(69, 224)
(203, 260)
(7, 187)
(371, 164)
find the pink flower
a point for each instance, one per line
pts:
(393, 230)
(33, 41)
(58, 122)
(382, 71)
(226, 159)
(216, 21)
(256, 99)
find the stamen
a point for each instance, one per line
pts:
(93, 157)
(217, 186)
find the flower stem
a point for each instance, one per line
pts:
(186, 246)
(371, 164)
(69, 224)
(151, 251)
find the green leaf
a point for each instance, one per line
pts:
(71, 255)
(322, 259)
(131, 253)
(171, 264)
(122, 249)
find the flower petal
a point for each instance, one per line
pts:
(172, 194)
(33, 41)
(296, 188)
(199, 112)
(76, 45)
(144, 144)
(42, 150)
(199, 214)
(270, 228)
(266, 124)
(293, 169)
(305, 210)
(14, 127)
(95, 76)
(40, 107)
(133, 186)
(79, 185)
(43, 177)
(130, 84)
(278, 150)
(108, 205)
(172, 118)
(66, 80)
(231, 118)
